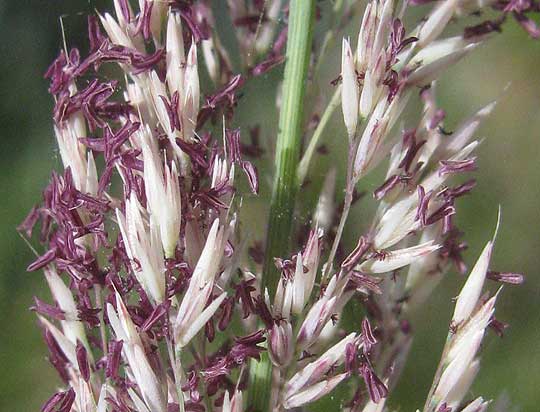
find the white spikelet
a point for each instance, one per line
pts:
(72, 327)
(137, 401)
(373, 84)
(233, 403)
(366, 36)
(163, 194)
(436, 22)
(396, 259)
(158, 92)
(314, 392)
(468, 298)
(313, 372)
(192, 95)
(176, 59)
(431, 71)
(398, 220)
(84, 398)
(298, 288)
(478, 405)
(371, 138)
(456, 369)
(102, 404)
(148, 383)
(459, 391)
(437, 50)
(315, 321)
(143, 246)
(478, 323)
(123, 20)
(349, 90)
(201, 282)
(192, 329)
(385, 12)
(281, 344)
(115, 32)
(72, 151)
(92, 182)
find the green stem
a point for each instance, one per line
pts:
(289, 137)
(280, 223)
(260, 384)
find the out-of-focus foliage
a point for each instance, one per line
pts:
(509, 175)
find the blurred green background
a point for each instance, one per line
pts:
(509, 176)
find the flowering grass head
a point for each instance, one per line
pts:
(161, 301)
